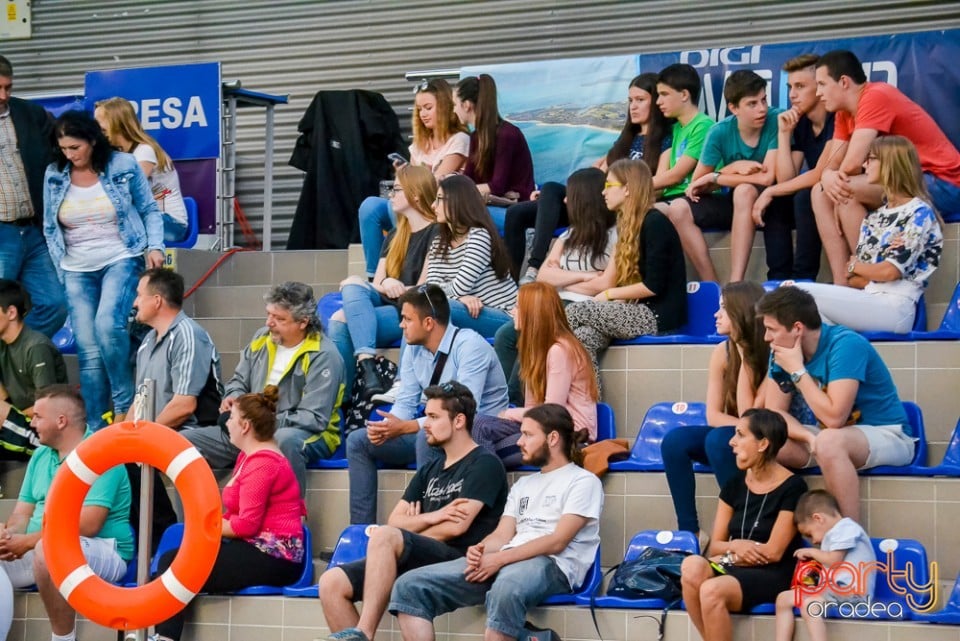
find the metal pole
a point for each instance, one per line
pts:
(268, 184)
(145, 411)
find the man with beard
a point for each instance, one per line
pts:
(545, 542)
(452, 503)
(291, 353)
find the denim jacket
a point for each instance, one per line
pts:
(138, 215)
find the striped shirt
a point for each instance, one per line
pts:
(14, 192)
(467, 270)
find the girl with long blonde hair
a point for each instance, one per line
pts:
(643, 288)
(899, 248)
(554, 367)
(122, 128)
(369, 318)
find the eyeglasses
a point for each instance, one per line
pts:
(440, 198)
(610, 183)
(395, 189)
(423, 290)
(421, 86)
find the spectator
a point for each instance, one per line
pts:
(840, 540)
(866, 110)
(370, 317)
(291, 353)
(105, 535)
(545, 542)
(804, 137)
(575, 264)
(750, 558)
(644, 285)
(469, 261)
(437, 352)
(262, 531)
(554, 367)
(678, 94)
(499, 161)
(440, 143)
(99, 218)
(736, 371)
(860, 421)
(899, 248)
(25, 137)
(450, 504)
(645, 135)
(123, 129)
(28, 362)
(739, 154)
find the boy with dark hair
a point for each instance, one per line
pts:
(804, 137)
(860, 421)
(678, 93)
(739, 153)
(840, 540)
(864, 111)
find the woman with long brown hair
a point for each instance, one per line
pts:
(643, 288)
(554, 367)
(737, 368)
(369, 318)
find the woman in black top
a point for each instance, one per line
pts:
(643, 288)
(750, 557)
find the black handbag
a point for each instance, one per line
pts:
(655, 574)
(358, 411)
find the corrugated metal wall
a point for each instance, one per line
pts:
(298, 47)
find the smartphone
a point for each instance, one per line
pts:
(395, 157)
(718, 568)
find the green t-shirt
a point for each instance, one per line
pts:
(27, 364)
(111, 490)
(687, 141)
(725, 145)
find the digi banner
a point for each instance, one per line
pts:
(572, 110)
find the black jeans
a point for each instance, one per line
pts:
(544, 215)
(783, 215)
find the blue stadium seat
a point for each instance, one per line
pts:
(351, 546)
(64, 339)
(909, 555)
(660, 419)
(328, 305)
(918, 466)
(590, 583)
(337, 460)
(193, 225)
(703, 301)
(950, 465)
(662, 539)
(950, 614)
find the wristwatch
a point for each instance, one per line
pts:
(716, 178)
(797, 375)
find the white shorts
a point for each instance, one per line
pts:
(101, 556)
(887, 444)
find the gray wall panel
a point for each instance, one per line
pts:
(298, 47)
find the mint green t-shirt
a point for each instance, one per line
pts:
(725, 145)
(111, 490)
(688, 140)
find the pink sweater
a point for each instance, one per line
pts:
(263, 496)
(567, 385)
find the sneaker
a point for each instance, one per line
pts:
(529, 276)
(348, 634)
(390, 396)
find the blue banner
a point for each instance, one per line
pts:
(571, 110)
(179, 105)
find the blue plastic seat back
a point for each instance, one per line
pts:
(64, 339)
(606, 424)
(193, 225)
(950, 614)
(951, 319)
(703, 301)
(352, 545)
(909, 555)
(951, 458)
(918, 466)
(660, 419)
(306, 575)
(327, 306)
(590, 582)
(169, 540)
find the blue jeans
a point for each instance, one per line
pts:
(432, 590)
(100, 304)
(499, 216)
(173, 230)
(486, 323)
(362, 457)
(24, 258)
(376, 218)
(679, 449)
(370, 324)
(946, 196)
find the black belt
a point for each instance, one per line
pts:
(20, 222)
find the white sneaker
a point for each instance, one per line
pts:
(529, 276)
(390, 396)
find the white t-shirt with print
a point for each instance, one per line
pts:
(91, 233)
(164, 184)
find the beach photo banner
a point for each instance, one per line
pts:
(571, 110)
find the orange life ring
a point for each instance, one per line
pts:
(143, 606)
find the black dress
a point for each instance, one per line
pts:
(753, 519)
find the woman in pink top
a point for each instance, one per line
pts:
(262, 540)
(554, 368)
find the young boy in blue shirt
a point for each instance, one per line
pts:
(740, 153)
